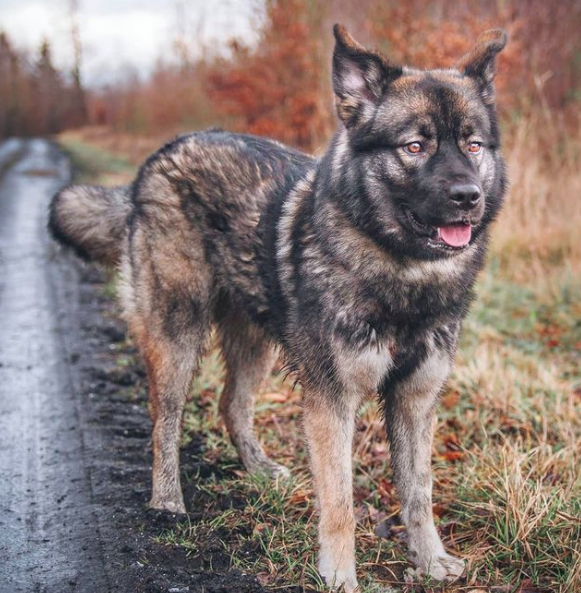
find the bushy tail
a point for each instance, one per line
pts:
(91, 220)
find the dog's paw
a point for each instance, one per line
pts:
(172, 506)
(271, 469)
(278, 471)
(443, 567)
(257, 462)
(336, 578)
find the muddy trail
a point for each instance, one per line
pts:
(75, 456)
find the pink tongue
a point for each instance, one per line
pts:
(456, 235)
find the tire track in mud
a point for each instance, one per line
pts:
(49, 541)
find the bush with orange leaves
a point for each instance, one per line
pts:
(276, 89)
(412, 35)
(540, 64)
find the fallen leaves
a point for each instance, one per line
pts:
(453, 449)
(276, 397)
(450, 399)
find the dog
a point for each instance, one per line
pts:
(359, 266)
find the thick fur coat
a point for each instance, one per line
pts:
(359, 266)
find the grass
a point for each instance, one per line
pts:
(536, 238)
(516, 495)
(507, 485)
(92, 164)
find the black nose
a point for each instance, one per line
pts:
(466, 195)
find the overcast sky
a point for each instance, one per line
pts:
(119, 35)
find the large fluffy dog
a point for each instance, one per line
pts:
(359, 265)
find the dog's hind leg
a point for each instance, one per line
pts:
(167, 302)
(249, 358)
(171, 359)
(170, 370)
(410, 417)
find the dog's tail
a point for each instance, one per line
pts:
(91, 220)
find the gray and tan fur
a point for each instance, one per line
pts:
(359, 266)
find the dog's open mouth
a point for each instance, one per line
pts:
(455, 235)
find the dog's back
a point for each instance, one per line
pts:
(205, 201)
(220, 190)
(223, 179)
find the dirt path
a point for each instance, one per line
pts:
(74, 436)
(48, 528)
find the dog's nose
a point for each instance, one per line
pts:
(466, 195)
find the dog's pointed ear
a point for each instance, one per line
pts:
(360, 77)
(480, 61)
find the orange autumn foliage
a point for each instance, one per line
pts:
(276, 89)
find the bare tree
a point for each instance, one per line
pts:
(79, 106)
(48, 93)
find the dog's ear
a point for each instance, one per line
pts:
(360, 77)
(480, 61)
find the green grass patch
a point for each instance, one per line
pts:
(93, 165)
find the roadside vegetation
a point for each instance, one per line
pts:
(507, 455)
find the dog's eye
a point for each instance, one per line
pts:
(474, 147)
(414, 148)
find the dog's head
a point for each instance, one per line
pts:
(422, 145)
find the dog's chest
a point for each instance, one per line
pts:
(378, 338)
(365, 366)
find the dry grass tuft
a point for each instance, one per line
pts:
(538, 230)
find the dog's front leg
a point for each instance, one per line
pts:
(329, 427)
(410, 419)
